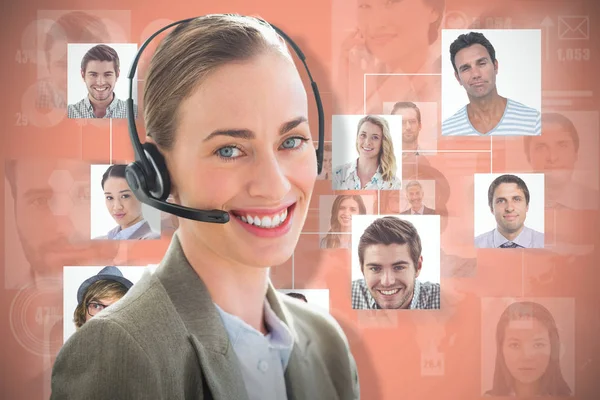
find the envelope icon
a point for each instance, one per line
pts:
(573, 28)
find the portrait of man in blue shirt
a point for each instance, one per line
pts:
(508, 199)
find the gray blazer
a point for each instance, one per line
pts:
(426, 211)
(165, 340)
(144, 232)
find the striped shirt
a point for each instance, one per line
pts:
(426, 296)
(517, 120)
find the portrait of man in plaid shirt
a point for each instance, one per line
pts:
(389, 253)
(100, 69)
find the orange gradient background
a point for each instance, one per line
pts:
(419, 354)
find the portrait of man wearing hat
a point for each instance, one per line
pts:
(98, 292)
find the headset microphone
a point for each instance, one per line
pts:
(148, 176)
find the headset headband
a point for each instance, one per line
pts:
(133, 133)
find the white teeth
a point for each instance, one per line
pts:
(266, 221)
(389, 292)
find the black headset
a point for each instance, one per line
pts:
(148, 176)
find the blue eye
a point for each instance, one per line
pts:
(294, 143)
(291, 143)
(227, 152)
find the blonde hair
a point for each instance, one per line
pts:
(189, 54)
(387, 158)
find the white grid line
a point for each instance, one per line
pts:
(559, 102)
(449, 151)
(81, 142)
(111, 141)
(391, 74)
(491, 155)
(325, 233)
(522, 273)
(567, 93)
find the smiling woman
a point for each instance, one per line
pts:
(375, 167)
(227, 111)
(125, 209)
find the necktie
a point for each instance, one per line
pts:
(509, 245)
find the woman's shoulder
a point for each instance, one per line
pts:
(144, 305)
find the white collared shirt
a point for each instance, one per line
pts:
(528, 239)
(263, 358)
(124, 234)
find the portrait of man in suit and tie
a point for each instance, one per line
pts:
(414, 195)
(508, 200)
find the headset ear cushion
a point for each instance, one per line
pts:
(161, 181)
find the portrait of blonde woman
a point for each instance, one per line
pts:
(375, 168)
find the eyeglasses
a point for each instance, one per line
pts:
(94, 308)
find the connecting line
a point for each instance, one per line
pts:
(293, 255)
(325, 233)
(567, 93)
(81, 142)
(391, 74)
(522, 273)
(448, 151)
(111, 141)
(491, 155)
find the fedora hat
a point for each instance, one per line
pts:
(107, 273)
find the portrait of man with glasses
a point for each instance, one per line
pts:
(99, 292)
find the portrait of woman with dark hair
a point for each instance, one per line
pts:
(527, 354)
(124, 207)
(340, 223)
